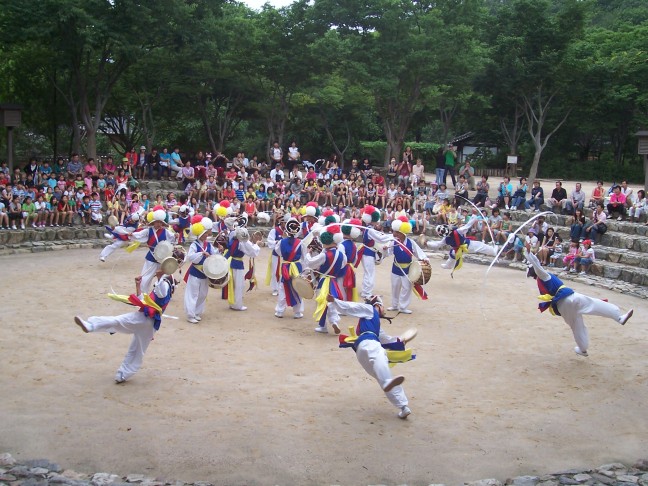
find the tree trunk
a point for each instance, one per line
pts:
(91, 144)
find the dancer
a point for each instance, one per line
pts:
(404, 249)
(367, 252)
(290, 252)
(329, 264)
(182, 223)
(368, 346)
(120, 235)
(240, 246)
(197, 283)
(311, 213)
(152, 236)
(142, 324)
(456, 239)
(572, 306)
(274, 268)
(347, 280)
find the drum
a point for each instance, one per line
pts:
(219, 283)
(415, 271)
(422, 240)
(216, 267)
(304, 286)
(163, 250)
(408, 335)
(169, 265)
(113, 221)
(426, 273)
(179, 253)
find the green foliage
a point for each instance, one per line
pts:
(421, 150)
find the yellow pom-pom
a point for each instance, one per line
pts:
(197, 229)
(302, 210)
(406, 228)
(221, 211)
(149, 217)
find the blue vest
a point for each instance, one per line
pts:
(368, 243)
(368, 328)
(193, 271)
(403, 257)
(286, 247)
(336, 271)
(152, 243)
(236, 254)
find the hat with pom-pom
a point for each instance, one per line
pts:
(370, 214)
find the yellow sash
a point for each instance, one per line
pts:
(133, 246)
(321, 297)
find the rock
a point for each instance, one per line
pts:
(7, 477)
(582, 477)
(135, 478)
(39, 471)
(71, 474)
(6, 459)
(202, 483)
(567, 480)
(34, 482)
(100, 479)
(20, 471)
(484, 482)
(548, 483)
(603, 479)
(524, 481)
(625, 478)
(613, 466)
(641, 464)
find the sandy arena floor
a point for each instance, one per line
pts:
(246, 398)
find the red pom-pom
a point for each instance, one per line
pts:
(158, 207)
(225, 203)
(369, 209)
(196, 218)
(328, 212)
(311, 203)
(404, 219)
(355, 221)
(334, 228)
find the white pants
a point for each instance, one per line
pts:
(110, 249)
(239, 287)
(369, 275)
(573, 308)
(281, 303)
(135, 323)
(481, 247)
(148, 275)
(401, 289)
(274, 284)
(195, 295)
(373, 359)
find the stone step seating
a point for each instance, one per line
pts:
(622, 252)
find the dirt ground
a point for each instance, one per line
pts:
(246, 398)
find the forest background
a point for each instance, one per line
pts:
(563, 84)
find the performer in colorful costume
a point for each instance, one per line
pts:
(120, 235)
(368, 252)
(273, 274)
(311, 213)
(182, 223)
(239, 247)
(197, 283)
(142, 324)
(289, 249)
(564, 301)
(347, 282)
(329, 264)
(369, 342)
(456, 239)
(152, 236)
(404, 250)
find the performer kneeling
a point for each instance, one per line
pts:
(142, 324)
(368, 346)
(563, 301)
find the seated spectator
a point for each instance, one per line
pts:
(546, 246)
(597, 226)
(569, 260)
(638, 207)
(482, 191)
(556, 253)
(29, 211)
(15, 212)
(504, 193)
(85, 211)
(468, 172)
(617, 203)
(519, 196)
(537, 197)
(577, 228)
(461, 191)
(555, 202)
(501, 237)
(494, 224)
(584, 258)
(531, 241)
(598, 195)
(627, 192)
(576, 200)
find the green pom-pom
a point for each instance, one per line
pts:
(375, 216)
(330, 220)
(326, 238)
